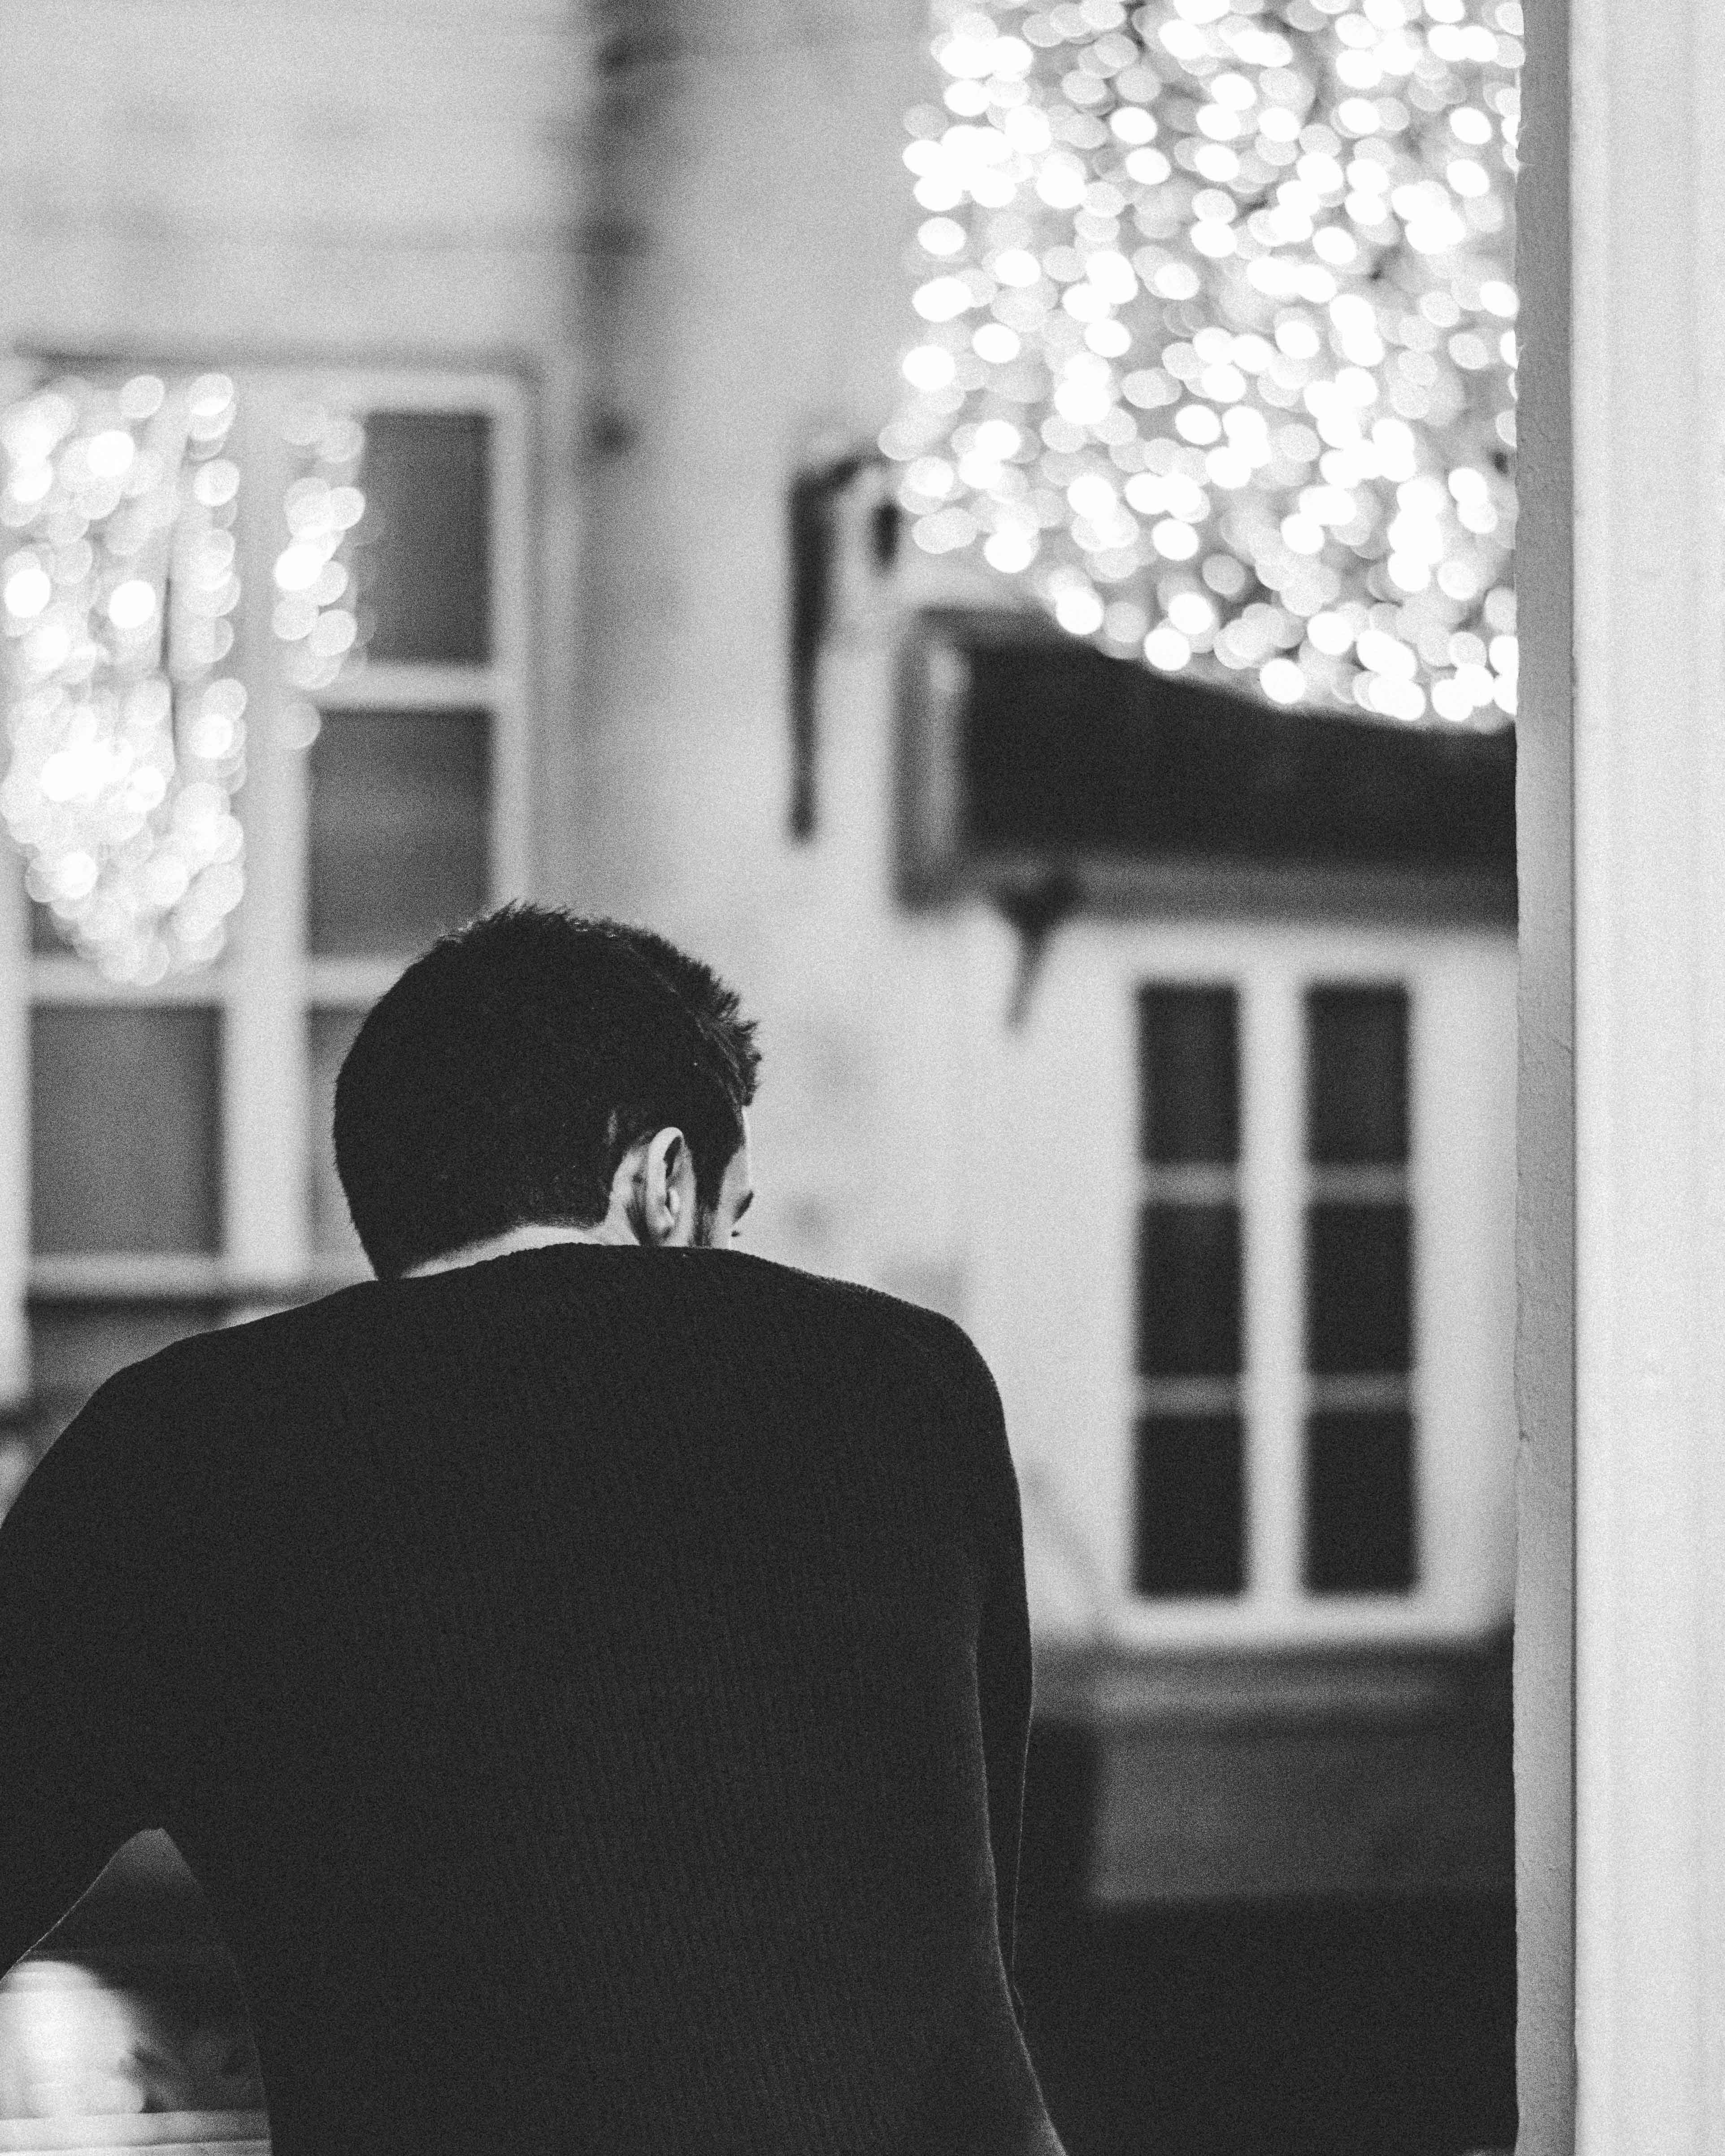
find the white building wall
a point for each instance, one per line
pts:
(684, 228)
(748, 311)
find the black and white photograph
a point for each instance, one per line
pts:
(862, 1078)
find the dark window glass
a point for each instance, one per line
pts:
(423, 561)
(1189, 1074)
(124, 1128)
(1191, 1505)
(1359, 1503)
(400, 806)
(1189, 1291)
(47, 937)
(1358, 1304)
(1357, 1089)
(331, 1036)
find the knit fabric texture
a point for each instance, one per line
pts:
(592, 1688)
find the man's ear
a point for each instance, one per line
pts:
(661, 1212)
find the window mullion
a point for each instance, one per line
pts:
(1272, 1188)
(14, 1133)
(263, 1069)
(15, 985)
(512, 823)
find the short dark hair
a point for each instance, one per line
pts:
(504, 1077)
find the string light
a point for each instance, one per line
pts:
(127, 735)
(316, 616)
(1217, 342)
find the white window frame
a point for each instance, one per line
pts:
(266, 983)
(1055, 1257)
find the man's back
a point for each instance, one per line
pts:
(592, 1688)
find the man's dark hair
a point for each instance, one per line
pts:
(504, 1077)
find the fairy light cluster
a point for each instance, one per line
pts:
(1217, 341)
(316, 618)
(127, 736)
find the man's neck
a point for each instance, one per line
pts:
(531, 1235)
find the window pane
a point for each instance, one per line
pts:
(1189, 1066)
(423, 565)
(331, 1035)
(400, 810)
(1357, 1096)
(1191, 1505)
(46, 938)
(1359, 1306)
(124, 1128)
(1359, 1499)
(1189, 1291)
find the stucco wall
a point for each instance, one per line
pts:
(750, 208)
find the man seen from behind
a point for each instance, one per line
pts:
(586, 1669)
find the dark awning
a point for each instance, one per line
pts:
(1027, 753)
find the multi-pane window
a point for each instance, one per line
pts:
(1190, 1508)
(1359, 1433)
(1243, 1264)
(343, 641)
(1195, 1520)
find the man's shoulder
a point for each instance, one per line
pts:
(858, 1326)
(380, 1326)
(237, 1354)
(127, 1453)
(845, 1303)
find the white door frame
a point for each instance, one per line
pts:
(1620, 1680)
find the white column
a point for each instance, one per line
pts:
(1545, 1121)
(14, 1128)
(15, 381)
(265, 1166)
(1646, 219)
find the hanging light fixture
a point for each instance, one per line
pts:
(1217, 348)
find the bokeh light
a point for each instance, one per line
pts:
(117, 595)
(316, 618)
(1216, 348)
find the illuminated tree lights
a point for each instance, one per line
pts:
(119, 602)
(116, 595)
(1218, 356)
(315, 618)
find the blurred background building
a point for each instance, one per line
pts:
(444, 451)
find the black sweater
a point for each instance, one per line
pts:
(592, 1688)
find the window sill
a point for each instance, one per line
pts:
(172, 1276)
(210, 2133)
